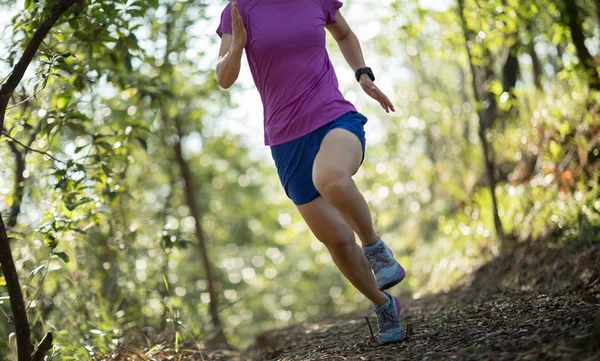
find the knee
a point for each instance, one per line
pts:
(331, 182)
(341, 244)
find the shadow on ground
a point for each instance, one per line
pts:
(536, 301)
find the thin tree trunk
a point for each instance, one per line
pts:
(192, 202)
(557, 63)
(465, 99)
(163, 215)
(19, 187)
(598, 12)
(537, 66)
(17, 304)
(510, 69)
(219, 338)
(487, 116)
(535, 59)
(585, 58)
(9, 271)
(20, 165)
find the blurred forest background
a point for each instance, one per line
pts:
(138, 202)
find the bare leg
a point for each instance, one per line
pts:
(328, 226)
(337, 161)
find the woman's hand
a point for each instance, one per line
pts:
(239, 32)
(373, 91)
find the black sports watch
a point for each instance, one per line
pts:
(362, 71)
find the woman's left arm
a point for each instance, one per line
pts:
(350, 48)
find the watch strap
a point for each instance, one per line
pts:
(362, 71)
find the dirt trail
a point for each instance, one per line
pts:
(462, 325)
(534, 302)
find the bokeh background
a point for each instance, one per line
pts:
(149, 169)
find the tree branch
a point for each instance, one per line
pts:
(19, 70)
(19, 188)
(480, 75)
(43, 347)
(22, 329)
(46, 154)
(574, 22)
(16, 297)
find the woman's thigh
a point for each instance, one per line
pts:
(340, 155)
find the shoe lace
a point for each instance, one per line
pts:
(387, 318)
(378, 259)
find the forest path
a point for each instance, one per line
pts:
(463, 325)
(535, 301)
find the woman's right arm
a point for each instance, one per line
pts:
(230, 53)
(228, 67)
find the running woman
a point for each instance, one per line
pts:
(316, 136)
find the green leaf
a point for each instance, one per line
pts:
(496, 87)
(62, 102)
(166, 283)
(13, 132)
(80, 231)
(14, 236)
(143, 143)
(63, 256)
(36, 270)
(564, 128)
(70, 206)
(27, 4)
(554, 148)
(97, 332)
(105, 145)
(76, 127)
(51, 241)
(74, 23)
(2, 281)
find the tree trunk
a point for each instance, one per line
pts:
(598, 12)
(19, 70)
(535, 59)
(510, 69)
(557, 63)
(192, 202)
(20, 165)
(16, 297)
(11, 276)
(465, 99)
(219, 339)
(585, 58)
(487, 115)
(19, 188)
(537, 66)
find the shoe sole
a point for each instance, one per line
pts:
(392, 283)
(403, 337)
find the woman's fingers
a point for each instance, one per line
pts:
(387, 102)
(373, 91)
(236, 17)
(233, 12)
(375, 95)
(383, 100)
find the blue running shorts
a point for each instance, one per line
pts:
(294, 159)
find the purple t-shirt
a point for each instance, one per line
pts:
(290, 65)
